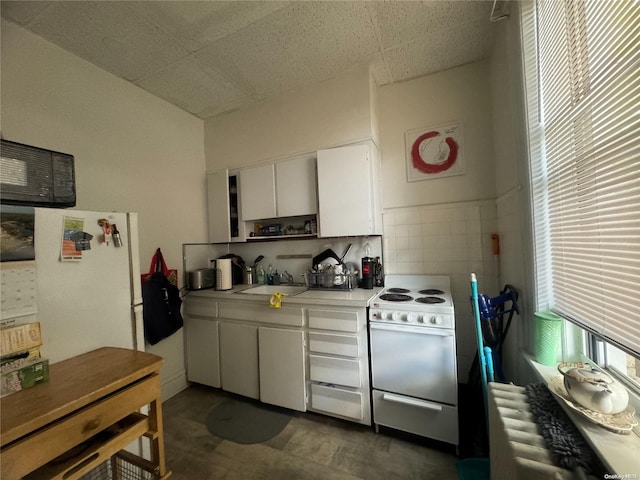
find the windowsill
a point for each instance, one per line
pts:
(619, 453)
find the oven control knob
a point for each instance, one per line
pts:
(414, 317)
(389, 316)
(395, 316)
(435, 320)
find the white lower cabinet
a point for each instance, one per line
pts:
(282, 367)
(342, 371)
(203, 357)
(338, 363)
(239, 359)
(337, 401)
(262, 353)
(202, 341)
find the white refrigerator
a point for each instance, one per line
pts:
(91, 298)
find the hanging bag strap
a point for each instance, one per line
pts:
(158, 264)
(161, 265)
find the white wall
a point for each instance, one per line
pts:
(332, 113)
(461, 94)
(133, 151)
(512, 187)
(442, 225)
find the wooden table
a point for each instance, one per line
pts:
(86, 414)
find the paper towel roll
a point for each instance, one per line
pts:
(223, 274)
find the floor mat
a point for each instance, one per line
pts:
(246, 422)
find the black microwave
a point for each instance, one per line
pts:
(35, 176)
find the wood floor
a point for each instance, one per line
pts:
(311, 446)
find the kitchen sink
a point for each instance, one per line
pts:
(271, 289)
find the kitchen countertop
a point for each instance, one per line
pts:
(356, 298)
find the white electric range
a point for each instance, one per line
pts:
(413, 357)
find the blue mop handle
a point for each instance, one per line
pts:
(481, 357)
(488, 359)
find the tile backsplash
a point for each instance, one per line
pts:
(198, 255)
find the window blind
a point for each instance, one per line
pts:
(582, 82)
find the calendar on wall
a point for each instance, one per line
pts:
(18, 289)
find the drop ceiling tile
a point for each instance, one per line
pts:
(110, 35)
(199, 23)
(243, 51)
(403, 22)
(22, 12)
(303, 44)
(194, 88)
(440, 50)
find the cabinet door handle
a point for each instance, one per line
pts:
(412, 401)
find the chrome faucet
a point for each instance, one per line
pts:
(286, 277)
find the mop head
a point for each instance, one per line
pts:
(566, 445)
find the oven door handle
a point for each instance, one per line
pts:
(390, 397)
(406, 328)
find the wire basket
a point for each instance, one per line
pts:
(119, 468)
(331, 281)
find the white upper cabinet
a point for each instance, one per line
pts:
(222, 199)
(283, 189)
(296, 187)
(348, 191)
(218, 204)
(258, 192)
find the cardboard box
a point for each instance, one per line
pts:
(23, 373)
(20, 338)
(33, 353)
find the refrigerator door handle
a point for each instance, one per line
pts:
(134, 258)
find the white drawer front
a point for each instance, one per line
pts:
(421, 417)
(292, 316)
(345, 345)
(200, 307)
(338, 371)
(336, 401)
(340, 320)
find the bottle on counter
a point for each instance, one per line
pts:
(270, 275)
(262, 277)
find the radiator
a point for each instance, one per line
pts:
(517, 450)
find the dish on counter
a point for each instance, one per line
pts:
(621, 423)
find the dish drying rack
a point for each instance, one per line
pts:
(331, 281)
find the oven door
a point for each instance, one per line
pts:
(415, 361)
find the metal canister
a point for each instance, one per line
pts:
(248, 277)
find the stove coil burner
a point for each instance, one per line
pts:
(430, 300)
(397, 290)
(395, 297)
(431, 291)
